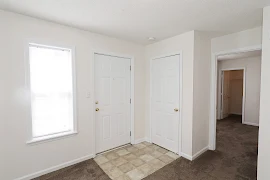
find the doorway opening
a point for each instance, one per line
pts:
(235, 104)
(231, 92)
(244, 62)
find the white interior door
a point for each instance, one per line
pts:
(165, 104)
(112, 101)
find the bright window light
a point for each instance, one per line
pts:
(51, 88)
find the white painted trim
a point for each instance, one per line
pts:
(196, 155)
(221, 91)
(180, 53)
(167, 55)
(186, 156)
(55, 45)
(180, 103)
(51, 138)
(203, 150)
(220, 101)
(239, 50)
(132, 94)
(251, 124)
(213, 90)
(150, 103)
(55, 168)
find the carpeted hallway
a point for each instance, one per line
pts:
(234, 159)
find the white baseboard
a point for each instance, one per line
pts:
(191, 158)
(55, 168)
(252, 124)
(188, 157)
(200, 152)
(138, 141)
(181, 154)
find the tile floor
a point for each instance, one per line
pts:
(134, 162)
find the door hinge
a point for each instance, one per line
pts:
(130, 133)
(130, 101)
(130, 68)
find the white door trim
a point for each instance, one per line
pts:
(132, 82)
(213, 90)
(220, 101)
(180, 96)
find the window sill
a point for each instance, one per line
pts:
(51, 137)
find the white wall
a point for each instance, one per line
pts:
(23, 159)
(253, 76)
(247, 38)
(230, 43)
(264, 145)
(201, 91)
(184, 43)
(3, 99)
(196, 50)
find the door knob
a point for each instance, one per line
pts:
(176, 110)
(97, 109)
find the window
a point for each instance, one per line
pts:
(51, 86)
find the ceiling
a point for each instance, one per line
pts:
(240, 55)
(136, 20)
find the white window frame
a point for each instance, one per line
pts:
(74, 131)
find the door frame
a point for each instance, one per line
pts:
(132, 89)
(180, 96)
(213, 89)
(220, 100)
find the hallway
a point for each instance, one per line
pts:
(234, 159)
